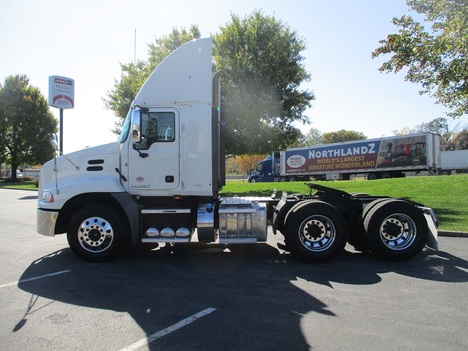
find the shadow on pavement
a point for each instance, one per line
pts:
(254, 290)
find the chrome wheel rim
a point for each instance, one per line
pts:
(398, 231)
(317, 233)
(95, 234)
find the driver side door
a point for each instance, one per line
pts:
(153, 154)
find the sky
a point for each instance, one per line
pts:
(87, 40)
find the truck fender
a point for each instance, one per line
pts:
(132, 210)
(280, 212)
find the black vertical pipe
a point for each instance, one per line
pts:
(61, 130)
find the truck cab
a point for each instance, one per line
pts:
(263, 171)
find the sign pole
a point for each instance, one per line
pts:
(61, 130)
(61, 96)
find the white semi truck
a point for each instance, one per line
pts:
(160, 183)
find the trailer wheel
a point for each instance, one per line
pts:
(395, 230)
(373, 176)
(315, 231)
(95, 233)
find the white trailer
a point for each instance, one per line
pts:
(386, 157)
(454, 161)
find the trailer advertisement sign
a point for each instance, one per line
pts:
(360, 155)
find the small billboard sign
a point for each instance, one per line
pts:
(61, 92)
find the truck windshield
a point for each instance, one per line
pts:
(126, 126)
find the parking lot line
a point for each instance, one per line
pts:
(146, 341)
(34, 278)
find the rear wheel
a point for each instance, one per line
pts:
(95, 233)
(371, 205)
(395, 230)
(315, 231)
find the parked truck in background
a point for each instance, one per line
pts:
(387, 157)
(160, 184)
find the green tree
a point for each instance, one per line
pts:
(260, 58)
(404, 131)
(436, 59)
(460, 140)
(342, 136)
(133, 75)
(25, 124)
(313, 137)
(121, 97)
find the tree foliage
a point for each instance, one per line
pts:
(262, 66)
(436, 59)
(25, 124)
(247, 163)
(133, 75)
(460, 140)
(313, 137)
(438, 126)
(342, 136)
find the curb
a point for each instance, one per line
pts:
(452, 234)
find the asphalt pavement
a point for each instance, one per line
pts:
(244, 297)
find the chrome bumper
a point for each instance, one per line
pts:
(46, 222)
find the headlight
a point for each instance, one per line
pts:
(47, 197)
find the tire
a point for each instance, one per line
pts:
(95, 233)
(371, 205)
(395, 230)
(315, 231)
(356, 228)
(373, 176)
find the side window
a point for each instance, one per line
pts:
(156, 127)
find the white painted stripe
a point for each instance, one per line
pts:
(34, 278)
(146, 341)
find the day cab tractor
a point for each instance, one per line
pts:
(160, 184)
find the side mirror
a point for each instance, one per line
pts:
(54, 141)
(136, 125)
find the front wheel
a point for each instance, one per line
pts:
(395, 230)
(95, 233)
(315, 231)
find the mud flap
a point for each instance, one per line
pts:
(432, 224)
